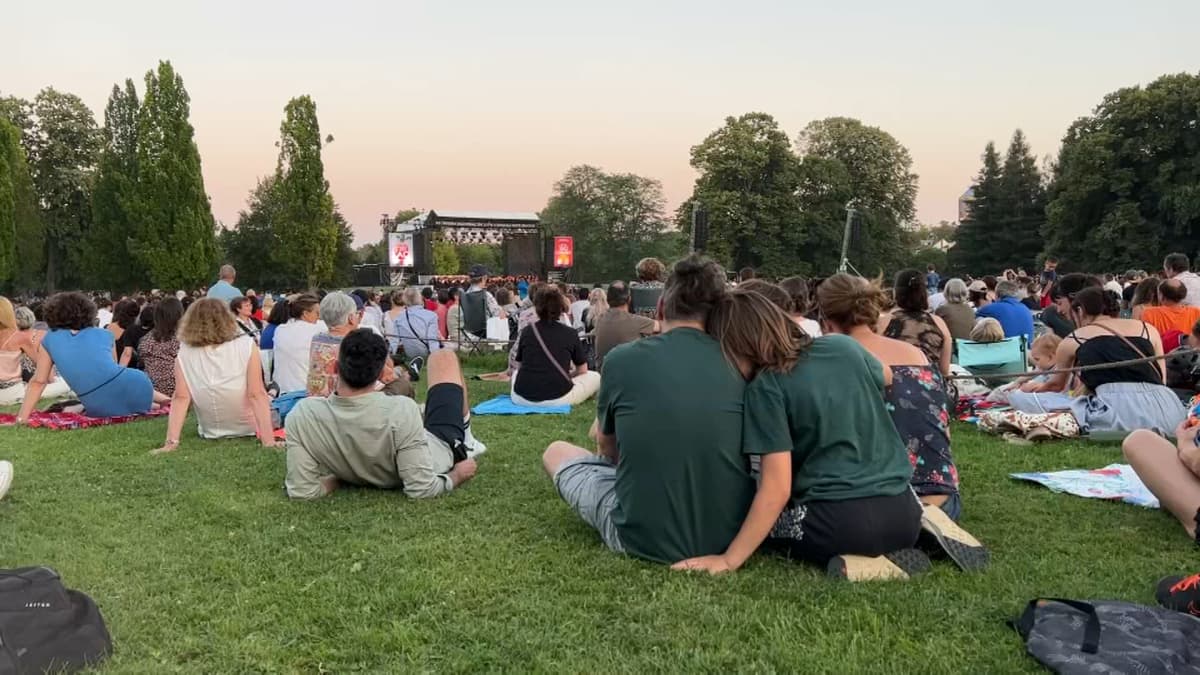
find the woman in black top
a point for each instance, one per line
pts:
(1120, 398)
(131, 337)
(546, 351)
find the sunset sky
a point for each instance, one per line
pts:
(483, 105)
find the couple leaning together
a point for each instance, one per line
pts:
(733, 378)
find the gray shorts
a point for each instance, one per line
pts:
(589, 486)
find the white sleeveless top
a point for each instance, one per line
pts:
(216, 377)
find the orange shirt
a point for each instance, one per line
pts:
(1180, 317)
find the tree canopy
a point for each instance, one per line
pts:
(306, 232)
(110, 263)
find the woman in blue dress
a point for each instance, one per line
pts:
(83, 355)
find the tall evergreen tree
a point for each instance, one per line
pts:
(173, 235)
(110, 263)
(976, 239)
(9, 138)
(306, 231)
(29, 239)
(1020, 208)
(64, 147)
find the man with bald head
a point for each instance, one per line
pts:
(1172, 314)
(224, 290)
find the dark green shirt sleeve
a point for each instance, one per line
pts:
(606, 398)
(765, 429)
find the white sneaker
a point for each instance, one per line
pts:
(6, 477)
(473, 445)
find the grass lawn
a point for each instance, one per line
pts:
(200, 564)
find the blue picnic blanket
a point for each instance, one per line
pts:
(504, 405)
(1115, 482)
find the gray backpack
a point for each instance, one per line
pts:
(1070, 636)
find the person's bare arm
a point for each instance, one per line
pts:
(1156, 341)
(947, 345)
(180, 403)
(126, 357)
(773, 492)
(36, 386)
(260, 402)
(1064, 358)
(606, 447)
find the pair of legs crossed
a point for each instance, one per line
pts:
(1156, 461)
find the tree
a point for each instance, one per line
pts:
(371, 253)
(748, 185)
(615, 220)
(24, 266)
(110, 263)
(445, 258)
(64, 147)
(248, 246)
(975, 240)
(1020, 209)
(881, 182)
(174, 235)
(1126, 188)
(344, 259)
(307, 233)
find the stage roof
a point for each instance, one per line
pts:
(491, 216)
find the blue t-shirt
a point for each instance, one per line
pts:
(267, 339)
(1014, 317)
(932, 279)
(223, 290)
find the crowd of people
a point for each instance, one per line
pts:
(811, 417)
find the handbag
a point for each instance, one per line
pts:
(546, 351)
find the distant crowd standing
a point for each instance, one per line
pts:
(808, 416)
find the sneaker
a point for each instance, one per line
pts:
(899, 565)
(1181, 594)
(6, 477)
(414, 369)
(964, 549)
(473, 445)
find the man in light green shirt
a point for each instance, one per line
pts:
(364, 437)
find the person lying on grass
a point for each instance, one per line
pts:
(670, 483)
(362, 436)
(822, 403)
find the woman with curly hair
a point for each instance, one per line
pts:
(85, 357)
(220, 370)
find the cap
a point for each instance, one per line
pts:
(358, 303)
(477, 271)
(977, 286)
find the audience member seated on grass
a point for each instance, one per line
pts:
(916, 396)
(293, 342)
(1171, 314)
(416, 328)
(546, 352)
(822, 400)
(597, 307)
(797, 288)
(1145, 296)
(911, 321)
(125, 317)
(389, 321)
(646, 293)
(85, 358)
(13, 344)
(1177, 266)
(160, 346)
(1171, 471)
(618, 325)
(340, 313)
(1058, 316)
(361, 436)
(670, 482)
(957, 312)
(987, 330)
(1043, 354)
(127, 344)
(1118, 399)
(243, 310)
(276, 317)
(1014, 317)
(219, 370)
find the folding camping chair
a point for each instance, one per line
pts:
(985, 359)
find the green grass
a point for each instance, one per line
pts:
(200, 564)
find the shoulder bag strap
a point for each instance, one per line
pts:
(546, 351)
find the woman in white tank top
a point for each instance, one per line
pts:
(219, 371)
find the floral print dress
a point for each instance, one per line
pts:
(917, 403)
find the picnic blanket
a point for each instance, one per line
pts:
(1115, 482)
(504, 405)
(968, 407)
(66, 421)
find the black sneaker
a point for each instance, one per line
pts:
(1181, 594)
(414, 368)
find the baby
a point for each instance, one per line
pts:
(1043, 354)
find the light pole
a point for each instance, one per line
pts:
(851, 211)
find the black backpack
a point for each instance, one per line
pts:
(46, 627)
(1069, 636)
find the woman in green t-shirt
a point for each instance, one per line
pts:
(851, 508)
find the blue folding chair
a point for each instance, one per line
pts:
(1005, 357)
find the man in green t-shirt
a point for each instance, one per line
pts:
(670, 482)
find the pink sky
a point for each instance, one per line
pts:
(485, 105)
